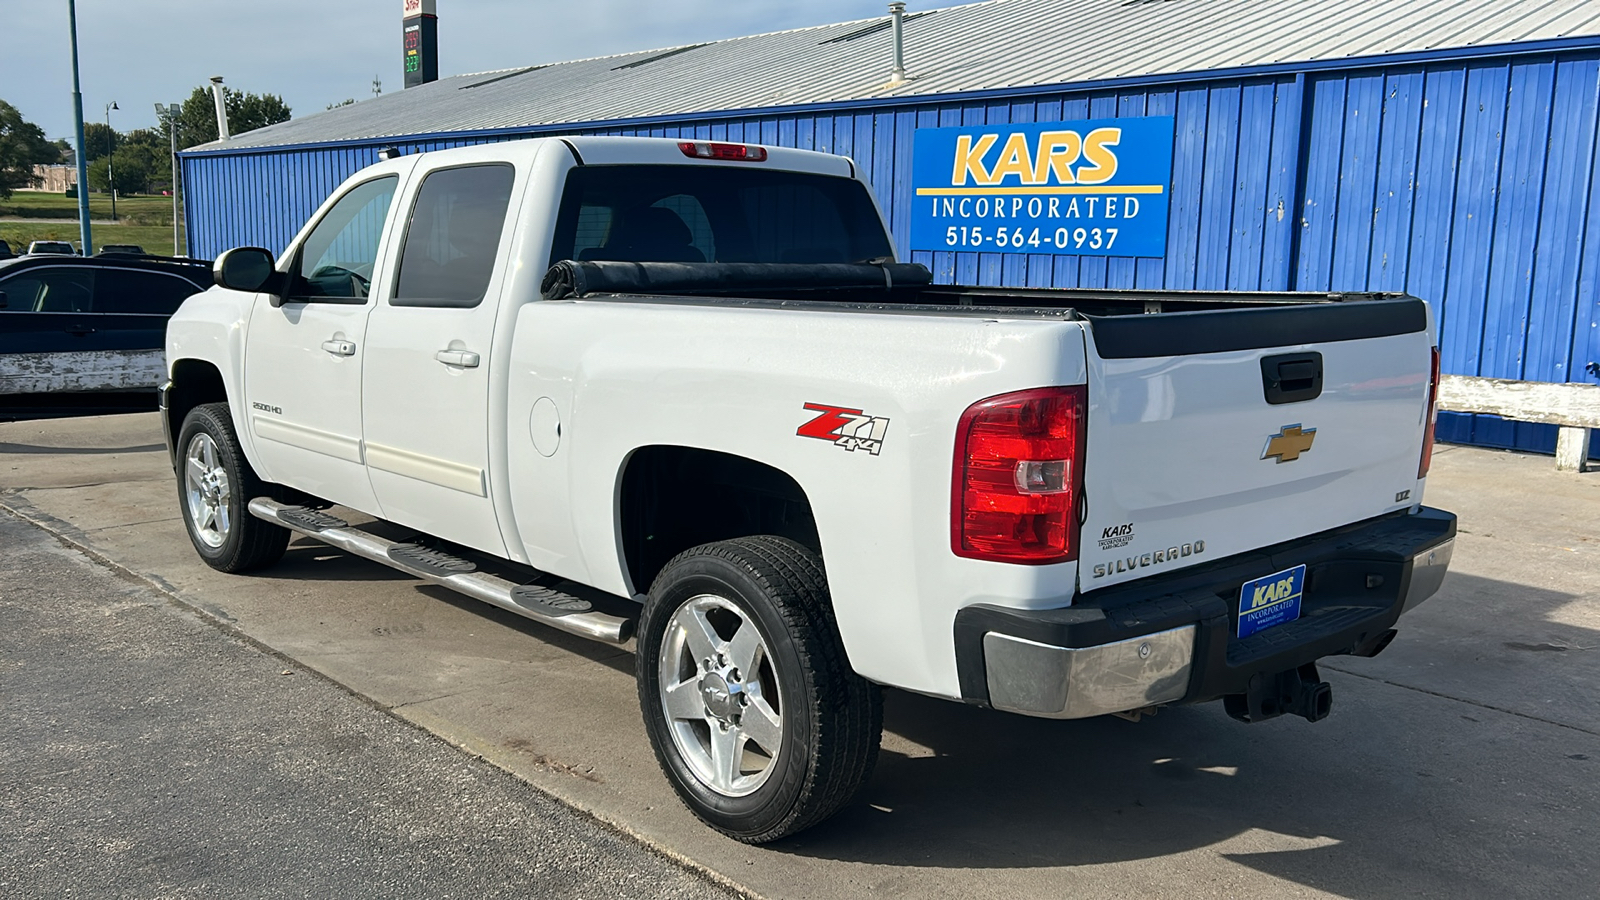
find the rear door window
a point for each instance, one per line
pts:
(57, 290)
(683, 213)
(134, 291)
(453, 237)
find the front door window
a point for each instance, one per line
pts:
(335, 262)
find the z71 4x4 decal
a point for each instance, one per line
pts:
(846, 428)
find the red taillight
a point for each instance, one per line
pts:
(1433, 418)
(714, 150)
(1018, 477)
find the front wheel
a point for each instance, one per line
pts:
(753, 710)
(215, 485)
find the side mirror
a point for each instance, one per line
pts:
(248, 269)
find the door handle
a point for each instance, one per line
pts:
(466, 359)
(340, 348)
(78, 330)
(1292, 377)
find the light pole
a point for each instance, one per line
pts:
(168, 113)
(111, 147)
(77, 122)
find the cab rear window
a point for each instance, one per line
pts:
(715, 214)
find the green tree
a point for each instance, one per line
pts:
(131, 167)
(144, 137)
(97, 140)
(197, 118)
(149, 152)
(22, 146)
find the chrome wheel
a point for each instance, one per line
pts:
(206, 490)
(719, 691)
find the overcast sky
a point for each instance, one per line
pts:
(317, 52)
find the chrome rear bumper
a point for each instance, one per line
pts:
(1428, 569)
(1175, 638)
(1074, 683)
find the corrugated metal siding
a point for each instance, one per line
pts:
(964, 48)
(1470, 185)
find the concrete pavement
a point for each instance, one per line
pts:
(1462, 762)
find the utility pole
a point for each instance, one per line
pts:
(77, 120)
(169, 114)
(111, 148)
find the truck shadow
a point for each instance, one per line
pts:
(1362, 804)
(308, 559)
(617, 658)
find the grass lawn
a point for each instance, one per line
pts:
(136, 210)
(156, 239)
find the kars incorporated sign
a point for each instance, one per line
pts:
(1097, 187)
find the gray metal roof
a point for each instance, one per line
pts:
(993, 45)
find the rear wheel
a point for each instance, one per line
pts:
(752, 708)
(215, 485)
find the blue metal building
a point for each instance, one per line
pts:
(1442, 148)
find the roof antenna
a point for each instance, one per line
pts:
(897, 75)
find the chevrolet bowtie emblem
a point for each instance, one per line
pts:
(1289, 443)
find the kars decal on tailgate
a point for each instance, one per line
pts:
(846, 428)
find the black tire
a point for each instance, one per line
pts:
(246, 543)
(831, 718)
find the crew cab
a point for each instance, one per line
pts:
(681, 393)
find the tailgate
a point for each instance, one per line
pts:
(1218, 432)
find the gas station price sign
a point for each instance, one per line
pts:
(413, 50)
(420, 34)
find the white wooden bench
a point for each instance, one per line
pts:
(1574, 407)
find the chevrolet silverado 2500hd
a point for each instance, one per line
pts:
(680, 393)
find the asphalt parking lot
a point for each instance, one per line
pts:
(150, 754)
(1462, 762)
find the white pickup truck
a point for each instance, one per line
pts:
(680, 393)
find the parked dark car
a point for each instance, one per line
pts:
(5, 250)
(122, 250)
(77, 330)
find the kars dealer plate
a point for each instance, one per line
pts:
(1271, 601)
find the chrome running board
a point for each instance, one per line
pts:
(546, 605)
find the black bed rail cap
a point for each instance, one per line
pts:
(1222, 330)
(573, 278)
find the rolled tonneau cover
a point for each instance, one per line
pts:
(572, 278)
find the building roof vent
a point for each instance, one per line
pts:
(897, 72)
(478, 84)
(874, 28)
(659, 56)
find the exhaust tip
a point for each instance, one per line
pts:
(1374, 645)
